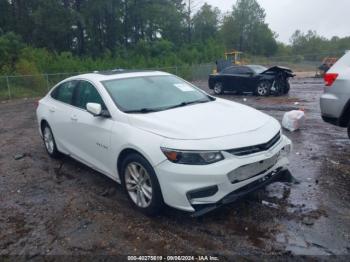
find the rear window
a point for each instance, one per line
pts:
(64, 92)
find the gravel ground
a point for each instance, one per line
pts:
(63, 207)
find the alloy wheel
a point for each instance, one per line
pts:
(48, 140)
(138, 184)
(218, 88)
(263, 89)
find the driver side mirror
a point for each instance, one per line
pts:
(94, 109)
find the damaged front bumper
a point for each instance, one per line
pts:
(200, 189)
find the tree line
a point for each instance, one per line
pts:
(76, 35)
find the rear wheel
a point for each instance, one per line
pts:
(263, 88)
(218, 88)
(49, 142)
(141, 184)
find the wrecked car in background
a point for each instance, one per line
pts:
(255, 79)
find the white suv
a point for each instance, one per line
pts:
(335, 102)
(163, 139)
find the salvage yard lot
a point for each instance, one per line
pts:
(63, 207)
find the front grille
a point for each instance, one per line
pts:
(243, 151)
(251, 170)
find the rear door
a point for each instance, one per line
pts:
(91, 134)
(60, 110)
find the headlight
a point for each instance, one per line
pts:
(192, 157)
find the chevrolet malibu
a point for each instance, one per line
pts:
(165, 140)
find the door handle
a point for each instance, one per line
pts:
(52, 110)
(74, 118)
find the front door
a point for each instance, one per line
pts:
(91, 134)
(246, 78)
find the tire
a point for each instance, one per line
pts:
(49, 142)
(218, 88)
(286, 88)
(263, 88)
(144, 194)
(349, 130)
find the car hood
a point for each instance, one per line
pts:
(201, 121)
(276, 69)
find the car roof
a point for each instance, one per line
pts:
(99, 76)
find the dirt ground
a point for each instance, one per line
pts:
(63, 207)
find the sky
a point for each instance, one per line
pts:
(328, 17)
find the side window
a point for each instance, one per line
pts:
(87, 93)
(231, 70)
(64, 92)
(245, 70)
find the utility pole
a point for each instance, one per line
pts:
(191, 5)
(189, 21)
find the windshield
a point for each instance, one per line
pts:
(153, 93)
(258, 69)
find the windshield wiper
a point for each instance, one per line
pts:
(143, 110)
(188, 103)
(150, 110)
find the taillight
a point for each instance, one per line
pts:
(37, 103)
(329, 78)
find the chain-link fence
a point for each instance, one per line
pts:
(25, 86)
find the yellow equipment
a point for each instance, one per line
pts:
(231, 58)
(234, 56)
(327, 63)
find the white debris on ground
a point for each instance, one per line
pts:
(293, 120)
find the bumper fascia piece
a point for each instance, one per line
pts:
(279, 174)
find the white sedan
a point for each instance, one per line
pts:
(165, 140)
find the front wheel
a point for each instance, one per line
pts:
(263, 88)
(286, 88)
(141, 184)
(218, 88)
